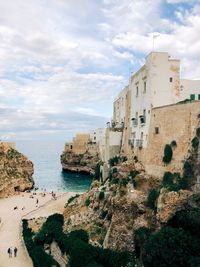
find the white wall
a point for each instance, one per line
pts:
(162, 78)
(119, 107)
(189, 87)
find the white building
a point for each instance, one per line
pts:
(119, 108)
(97, 135)
(156, 84)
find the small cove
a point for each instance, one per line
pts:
(48, 174)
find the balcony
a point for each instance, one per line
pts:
(134, 122)
(139, 143)
(131, 142)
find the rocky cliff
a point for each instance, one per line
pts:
(15, 171)
(83, 163)
(111, 212)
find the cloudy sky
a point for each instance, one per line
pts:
(63, 62)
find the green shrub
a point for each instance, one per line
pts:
(69, 221)
(87, 202)
(72, 198)
(168, 153)
(189, 220)
(168, 179)
(133, 175)
(35, 250)
(188, 179)
(172, 181)
(114, 170)
(115, 160)
(103, 214)
(195, 142)
(42, 259)
(152, 197)
(140, 238)
(123, 182)
(115, 181)
(79, 234)
(170, 247)
(101, 195)
(97, 172)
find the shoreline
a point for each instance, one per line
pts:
(27, 208)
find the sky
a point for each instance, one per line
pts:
(63, 62)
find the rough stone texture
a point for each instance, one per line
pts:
(176, 122)
(84, 163)
(122, 206)
(171, 202)
(15, 171)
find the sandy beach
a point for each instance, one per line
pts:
(27, 207)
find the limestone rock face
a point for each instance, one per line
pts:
(84, 163)
(171, 202)
(15, 171)
(112, 219)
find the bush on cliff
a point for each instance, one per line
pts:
(36, 251)
(97, 172)
(152, 197)
(195, 142)
(87, 202)
(140, 238)
(170, 247)
(168, 153)
(101, 195)
(172, 181)
(115, 160)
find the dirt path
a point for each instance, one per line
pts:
(10, 231)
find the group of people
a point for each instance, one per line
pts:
(53, 195)
(12, 252)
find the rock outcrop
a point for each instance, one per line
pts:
(171, 202)
(110, 212)
(15, 171)
(83, 163)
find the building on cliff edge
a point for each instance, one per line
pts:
(156, 108)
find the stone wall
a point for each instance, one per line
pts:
(174, 122)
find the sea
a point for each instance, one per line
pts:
(48, 175)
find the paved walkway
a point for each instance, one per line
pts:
(10, 231)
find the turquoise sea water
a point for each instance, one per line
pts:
(48, 173)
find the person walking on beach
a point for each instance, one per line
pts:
(15, 252)
(10, 252)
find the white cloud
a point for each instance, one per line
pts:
(57, 61)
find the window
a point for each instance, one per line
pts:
(171, 79)
(156, 130)
(145, 87)
(198, 97)
(142, 119)
(137, 91)
(141, 136)
(135, 120)
(192, 97)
